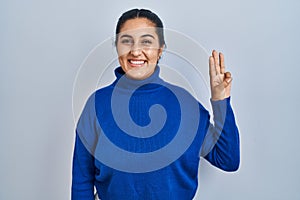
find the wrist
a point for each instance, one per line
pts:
(219, 98)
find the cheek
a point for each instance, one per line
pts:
(123, 62)
(152, 55)
(122, 56)
(122, 51)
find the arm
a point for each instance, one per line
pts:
(83, 174)
(221, 144)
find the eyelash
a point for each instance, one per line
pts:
(129, 41)
(147, 42)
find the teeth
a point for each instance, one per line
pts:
(137, 62)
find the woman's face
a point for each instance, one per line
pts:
(138, 48)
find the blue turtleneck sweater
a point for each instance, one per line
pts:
(142, 140)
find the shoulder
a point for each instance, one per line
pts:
(104, 90)
(186, 97)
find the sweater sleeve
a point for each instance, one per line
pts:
(83, 174)
(221, 145)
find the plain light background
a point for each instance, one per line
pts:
(43, 43)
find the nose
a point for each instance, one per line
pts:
(136, 50)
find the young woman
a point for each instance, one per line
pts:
(127, 153)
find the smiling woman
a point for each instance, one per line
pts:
(141, 137)
(138, 48)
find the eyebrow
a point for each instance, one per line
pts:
(146, 35)
(126, 36)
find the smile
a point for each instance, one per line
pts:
(137, 63)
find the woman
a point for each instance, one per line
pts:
(118, 115)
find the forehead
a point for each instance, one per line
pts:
(138, 26)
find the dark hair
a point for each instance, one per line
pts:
(142, 13)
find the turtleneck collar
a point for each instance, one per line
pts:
(124, 82)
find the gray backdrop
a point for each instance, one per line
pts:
(43, 43)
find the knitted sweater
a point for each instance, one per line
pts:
(115, 153)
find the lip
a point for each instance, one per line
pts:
(136, 62)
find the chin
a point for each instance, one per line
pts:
(138, 74)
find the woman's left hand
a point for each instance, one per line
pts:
(220, 81)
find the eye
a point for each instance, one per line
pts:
(127, 41)
(146, 42)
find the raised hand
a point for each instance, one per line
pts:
(220, 81)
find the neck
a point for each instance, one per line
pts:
(124, 82)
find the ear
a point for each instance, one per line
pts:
(160, 50)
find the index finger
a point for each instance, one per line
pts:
(212, 68)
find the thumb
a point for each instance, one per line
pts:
(227, 79)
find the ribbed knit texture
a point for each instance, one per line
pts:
(178, 180)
